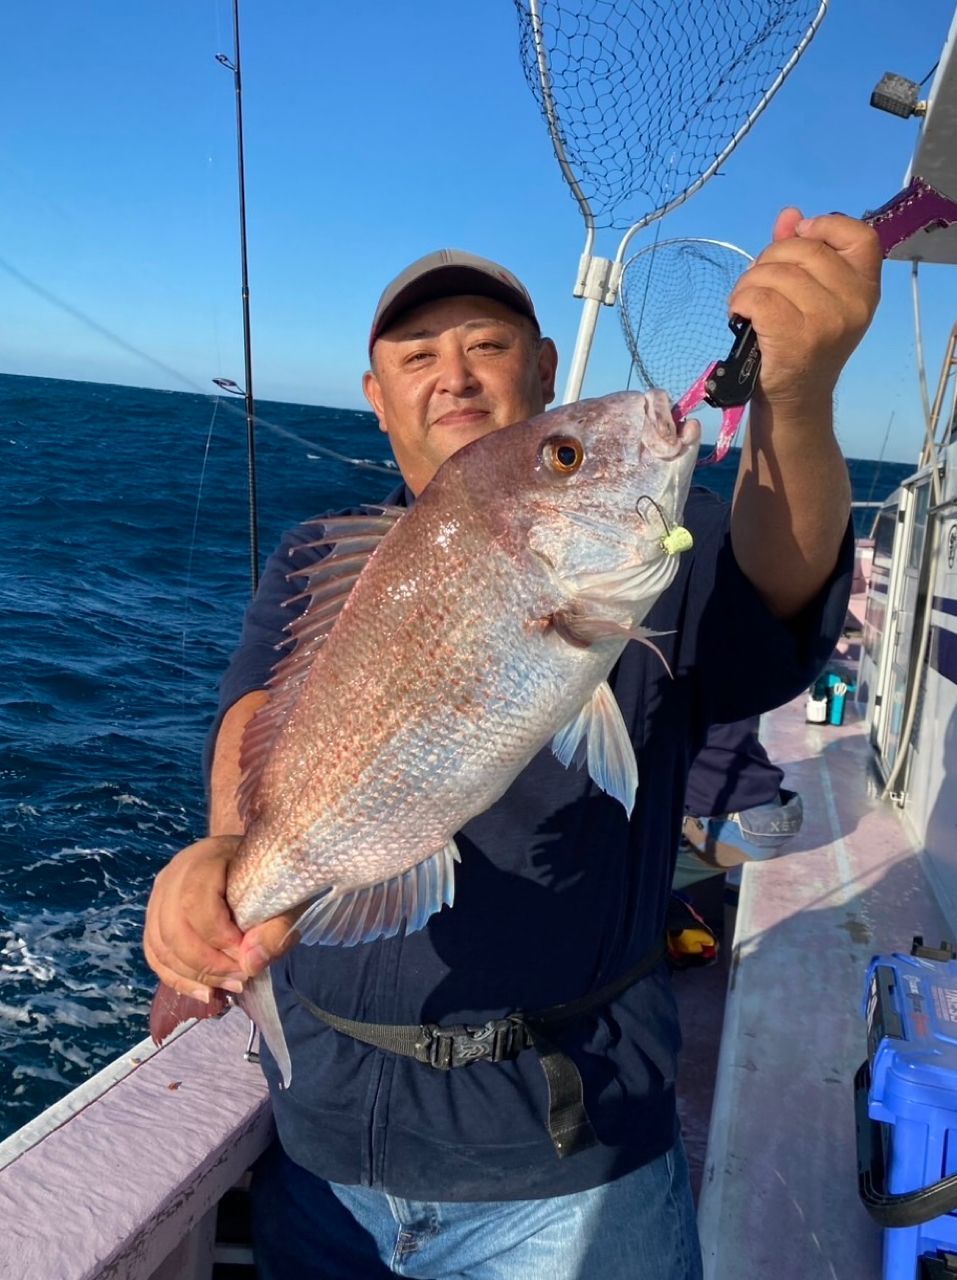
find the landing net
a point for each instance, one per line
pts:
(674, 310)
(644, 98)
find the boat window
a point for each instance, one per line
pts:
(921, 498)
(884, 529)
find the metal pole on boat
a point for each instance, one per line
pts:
(236, 67)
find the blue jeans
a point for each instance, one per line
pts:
(639, 1227)
(731, 839)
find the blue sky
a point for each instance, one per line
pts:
(375, 133)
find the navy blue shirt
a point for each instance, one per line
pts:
(732, 772)
(557, 894)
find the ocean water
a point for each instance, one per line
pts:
(123, 518)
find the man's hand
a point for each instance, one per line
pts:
(810, 297)
(191, 941)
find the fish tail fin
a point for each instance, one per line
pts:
(169, 1009)
(258, 1002)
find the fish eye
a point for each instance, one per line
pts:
(563, 454)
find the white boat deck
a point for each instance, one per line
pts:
(779, 1186)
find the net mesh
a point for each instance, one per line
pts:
(674, 309)
(643, 96)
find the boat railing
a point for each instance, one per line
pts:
(136, 1161)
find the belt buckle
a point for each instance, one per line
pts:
(460, 1046)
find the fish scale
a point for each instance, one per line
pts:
(409, 730)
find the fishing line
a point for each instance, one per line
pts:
(192, 548)
(383, 468)
(880, 456)
(95, 325)
(184, 379)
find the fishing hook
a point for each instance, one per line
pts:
(676, 538)
(646, 497)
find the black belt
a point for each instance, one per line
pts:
(501, 1040)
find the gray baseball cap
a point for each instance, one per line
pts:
(443, 274)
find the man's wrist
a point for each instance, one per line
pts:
(785, 425)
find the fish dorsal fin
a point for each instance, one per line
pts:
(377, 910)
(376, 520)
(597, 736)
(329, 580)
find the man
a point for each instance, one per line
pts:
(388, 1165)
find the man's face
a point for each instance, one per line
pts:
(451, 371)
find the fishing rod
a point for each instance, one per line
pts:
(234, 65)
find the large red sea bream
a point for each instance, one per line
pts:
(443, 647)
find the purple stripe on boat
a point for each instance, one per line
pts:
(942, 655)
(946, 605)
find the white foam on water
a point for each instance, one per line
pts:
(71, 1053)
(11, 1013)
(71, 1013)
(68, 854)
(16, 957)
(33, 1072)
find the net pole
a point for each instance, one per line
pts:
(587, 263)
(551, 119)
(583, 344)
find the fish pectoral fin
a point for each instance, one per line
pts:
(377, 910)
(597, 736)
(259, 1004)
(580, 628)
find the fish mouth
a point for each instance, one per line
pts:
(688, 431)
(677, 445)
(685, 438)
(667, 435)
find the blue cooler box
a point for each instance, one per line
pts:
(906, 1107)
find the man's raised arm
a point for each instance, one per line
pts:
(810, 297)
